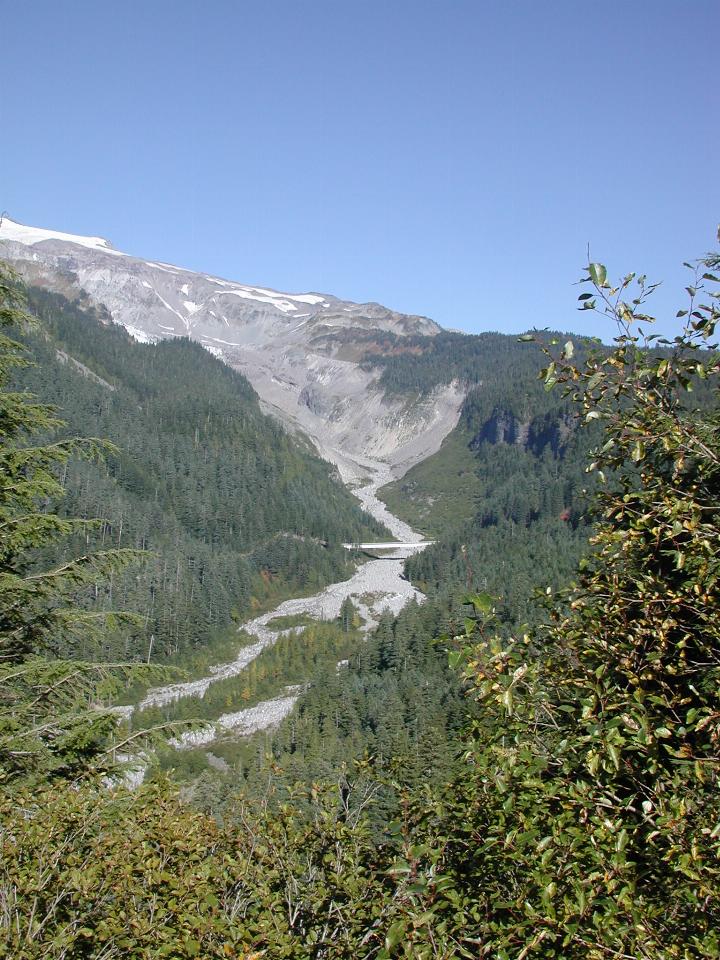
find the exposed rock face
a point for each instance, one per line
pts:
(533, 433)
(299, 351)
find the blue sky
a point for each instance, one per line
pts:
(445, 158)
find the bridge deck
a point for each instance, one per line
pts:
(391, 545)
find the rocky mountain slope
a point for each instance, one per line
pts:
(300, 351)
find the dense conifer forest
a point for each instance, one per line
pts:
(416, 365)
(506, 496)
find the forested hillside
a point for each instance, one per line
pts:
(506, 495)
(417, 365)
(391, 697)
(233, 512)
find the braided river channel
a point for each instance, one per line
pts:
(376, 586)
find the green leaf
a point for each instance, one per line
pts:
(482, 602)
(638, 451)
(598, 273)
(395, 934)
(455, 659)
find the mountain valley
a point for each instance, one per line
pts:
(374, 392)
(202, 620)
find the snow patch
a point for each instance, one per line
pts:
(19, 233)
(279, 304)
(228, 343)
(164, 302)
(166, 267)
(139, 335)
(215, 351)
(311, 298)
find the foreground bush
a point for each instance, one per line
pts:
(85, 873)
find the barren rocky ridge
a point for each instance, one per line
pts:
(300, 351)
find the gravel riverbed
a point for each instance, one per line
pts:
(376, 586)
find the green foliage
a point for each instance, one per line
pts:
(359, 699)
(30, 616)
(395, 701)
(441, 492)
(349, 616)
(506, 495)
(287, 621)
(416, 365)
(92, 875)
(295, 659)
(581, 822)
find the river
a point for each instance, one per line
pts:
(376, 586)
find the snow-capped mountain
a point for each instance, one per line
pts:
(299, 350)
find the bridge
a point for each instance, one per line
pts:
(407, 548)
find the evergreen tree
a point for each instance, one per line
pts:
(51, 722)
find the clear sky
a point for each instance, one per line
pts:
(448, 158)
